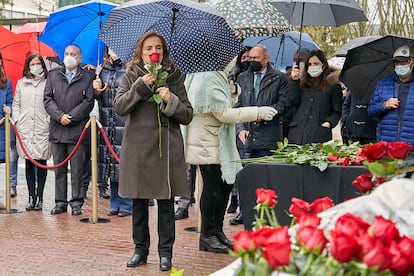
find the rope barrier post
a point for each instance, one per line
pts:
(8, 209)
(94, 175)
(197, 228)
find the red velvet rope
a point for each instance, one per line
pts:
(85, 129)
(108, 144)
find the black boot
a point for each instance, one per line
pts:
(233, 205)
(182, 211)
(31, 204)
(39, 204)
(212, 244)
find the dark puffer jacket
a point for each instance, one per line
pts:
(75, 99)
(394, 124)
(112, 123)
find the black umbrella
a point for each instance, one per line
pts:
(366, 64)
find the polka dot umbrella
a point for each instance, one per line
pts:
(199, 39)
(250, 18)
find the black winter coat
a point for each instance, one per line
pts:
(315, 107)
(356, 121)
(112, 123)
(273, 92)
(75, 99)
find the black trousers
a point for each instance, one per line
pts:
(34, 174)
(166, 226)
(213, 200)
(60, 152)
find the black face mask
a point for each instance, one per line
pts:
(244, 65)
(255, 66)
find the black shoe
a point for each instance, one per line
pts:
(236, 220)
(151, 202)
(224, 240)
(113, 213)
(165, 264)
(13, 191)
(212, 244)
(104, 194)
(123, 214)
(137, 260)
(181, 213)
(31, 204)
(58, 210)
(39, 205)
(76, 211)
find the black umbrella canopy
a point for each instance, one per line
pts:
(354, 42)
(368, 63)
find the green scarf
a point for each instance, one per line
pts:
(209, 92)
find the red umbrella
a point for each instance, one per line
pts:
(30, 28)
(16, 47)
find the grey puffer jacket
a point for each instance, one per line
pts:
(75, 99)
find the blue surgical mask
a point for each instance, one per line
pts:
(402, 70)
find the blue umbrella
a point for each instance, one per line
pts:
(282, 48)
(199, 39)
(78, 24)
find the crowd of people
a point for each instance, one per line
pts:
(205, 120)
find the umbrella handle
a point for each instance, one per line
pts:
(103, 88)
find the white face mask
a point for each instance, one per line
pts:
(36, 70)
(112, 55)
(315, 71)
(70, 62)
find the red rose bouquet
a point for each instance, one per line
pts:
(161, 76)
(353, 247)
(384, 161)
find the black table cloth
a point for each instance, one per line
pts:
(288, 180)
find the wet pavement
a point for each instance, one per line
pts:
(37, 243)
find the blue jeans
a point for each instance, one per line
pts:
(14, 158)
(118, 203)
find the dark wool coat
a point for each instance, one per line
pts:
(112, 123)
(273, 92)
(75, 99)
(143, 174)
(315, 107)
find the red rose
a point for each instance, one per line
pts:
(309, 220)
(277, 254)
(366, 243)
(364, 183)
(374, 152)
(406, 245)
(402, 263)
(267, 235)
(155, 57)
(345, 161)
(299, 207)
(243, 241)
(399, 150)
(384, 230)
(321, 204)
(379, 256)
(332, 158)
(343, 247)
(312, 239)
(357, 161)
(266, 196)
(351, 224)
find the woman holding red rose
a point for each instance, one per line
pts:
(144, 173)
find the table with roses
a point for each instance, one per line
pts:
(290, 180)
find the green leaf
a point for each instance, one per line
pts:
(157, 98)
(376, 168)
(320, 164)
